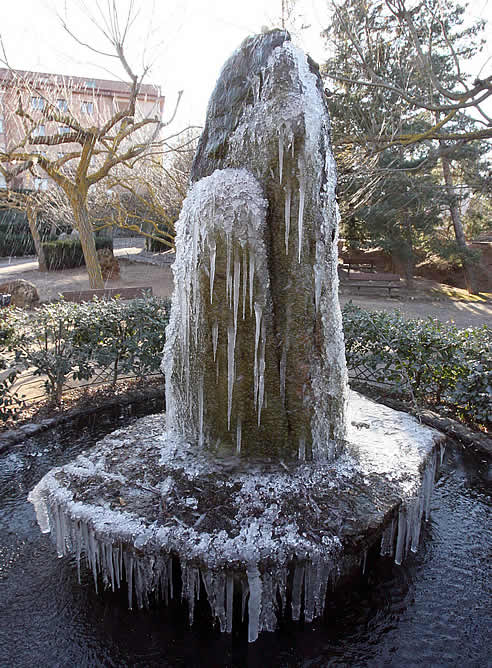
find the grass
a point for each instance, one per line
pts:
(459, 294)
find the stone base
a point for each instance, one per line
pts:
(281, 533)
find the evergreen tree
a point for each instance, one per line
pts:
(392, 98)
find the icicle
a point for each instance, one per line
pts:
(196, 230)
(261, 371)
(200, 411)
(317, 286)
(245, 280)
(228, 271)
(237, 281)
(300, 220)
(129, 578)
(296, 591)
(251, 279)
(258, 314)
(254, 603)
(388, 539)
(280, 153)
(213, 253)
(230, 372)
(288, 198)
(229, 601)
(400, 541)
(364, 562)
(238, 437)
(308, 594)
(419, 511)
(302, 449)
(215, 337)
(428, 485)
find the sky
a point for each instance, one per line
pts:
(187, 41)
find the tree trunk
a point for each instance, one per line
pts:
(455, 212)
(32, 219)
(84, 228)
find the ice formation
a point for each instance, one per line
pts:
(282, 536)
(260, 223)
(260, 481)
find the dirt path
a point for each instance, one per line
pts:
(462, 314)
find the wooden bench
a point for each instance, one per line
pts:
(376, 280)
(359, 261)
(107, 293)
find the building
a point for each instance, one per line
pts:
(90, 102)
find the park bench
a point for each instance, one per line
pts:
(358, 261)
(375, 280)
(107, 293)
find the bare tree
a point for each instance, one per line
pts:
(90, 151)
(31, 203)
(419, 85)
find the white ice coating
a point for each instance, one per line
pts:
(227, 205)
(213, 254)
(267, 543)
(288, 198)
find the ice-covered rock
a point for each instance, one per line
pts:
(259, 484)
(254, 352)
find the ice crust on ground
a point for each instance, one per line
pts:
(142, 498)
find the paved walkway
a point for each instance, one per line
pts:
(137, 268)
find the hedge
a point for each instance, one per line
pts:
(436, 363)
(15, 236)
(67, 253)
(66, 339)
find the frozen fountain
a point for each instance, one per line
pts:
(267, 482)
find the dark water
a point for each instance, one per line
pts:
(434, 611)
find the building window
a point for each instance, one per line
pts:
(37, 103)
(40, 184)
(39, 131)
(87, 107)
(62, 104)
(63, 130)
(1, 125)
(3, 182)
(90, 84)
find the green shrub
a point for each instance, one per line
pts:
(11, 403)
(66, 339)
(434, 362)
(45, 340)
(67, 253)
(127, 337)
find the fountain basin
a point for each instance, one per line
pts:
(280, 533)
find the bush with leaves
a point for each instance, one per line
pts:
(11, 402)
(46, 340)
(67, 253)
(66, 339)
(436, 363)
(127, 337)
